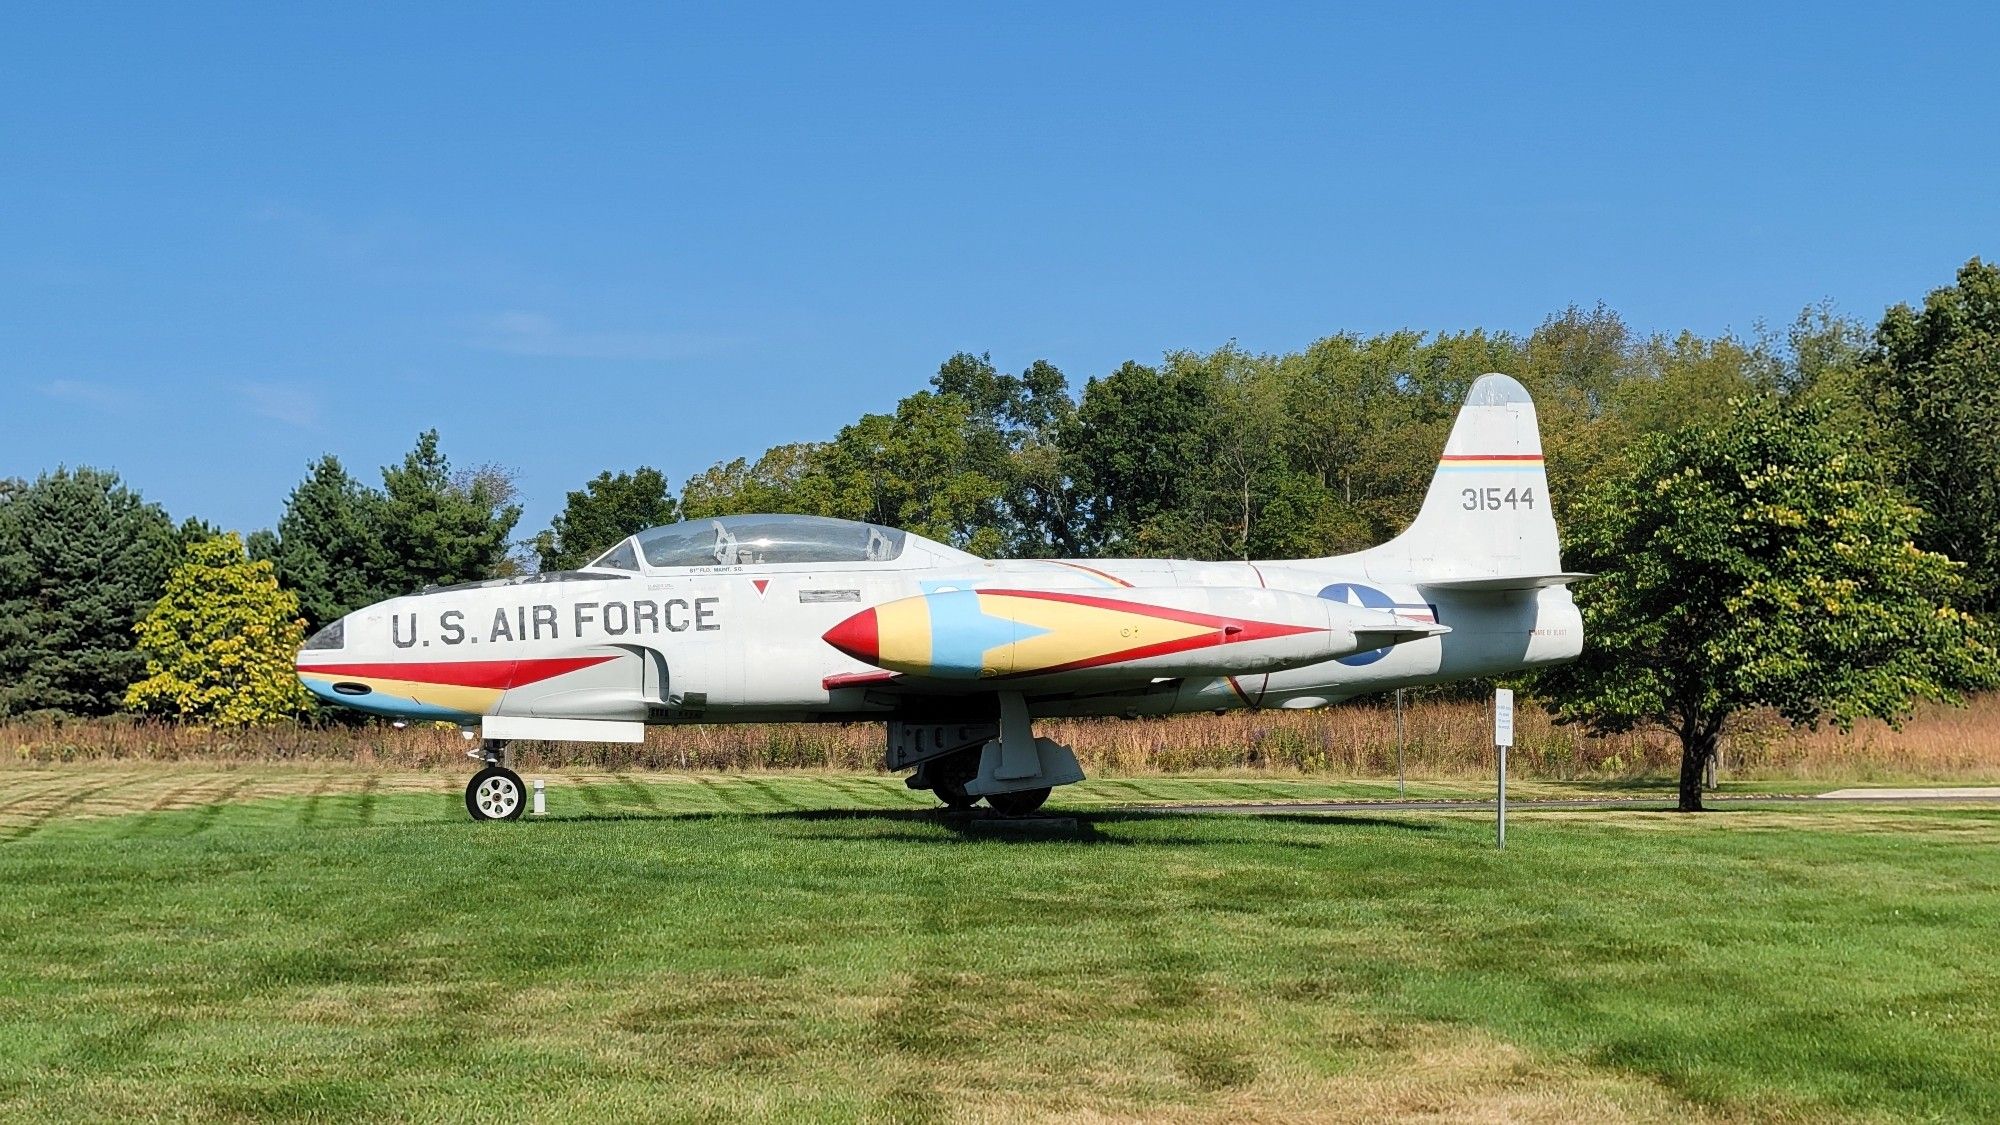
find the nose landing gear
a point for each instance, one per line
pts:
(496, 792)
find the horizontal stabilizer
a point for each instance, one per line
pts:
(1503, 583)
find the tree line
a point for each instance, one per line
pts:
(1214, 455)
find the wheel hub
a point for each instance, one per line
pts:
(497, 797)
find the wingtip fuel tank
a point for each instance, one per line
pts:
(1006, 634)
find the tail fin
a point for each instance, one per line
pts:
(1485, 522)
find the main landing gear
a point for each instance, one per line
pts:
(1021, 802)
(949, 775)
(496, 792)
(964, 764)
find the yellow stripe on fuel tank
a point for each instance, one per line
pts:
(903, 634)
(1064, 633)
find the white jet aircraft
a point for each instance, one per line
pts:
(776, 618)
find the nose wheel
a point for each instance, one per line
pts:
(495, 793)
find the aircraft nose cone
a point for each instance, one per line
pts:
(859, 636)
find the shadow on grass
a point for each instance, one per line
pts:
(1625, 785)
(1055, 827)
(1670, 787)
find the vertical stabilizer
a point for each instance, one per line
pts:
(1486, 515)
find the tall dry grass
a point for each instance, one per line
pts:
(1441, 739)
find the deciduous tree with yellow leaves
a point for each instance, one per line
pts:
(220, 642)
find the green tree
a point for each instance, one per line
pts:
(604, 511)
(1043, 501)
(787, 478)
(438, 529)
(82, 558)
(1756, 562)
(194, 529)
(1581, 365)
(219, 643)
(1015, 428)
(262, 544)
(919, 469)
(329, 548)
(1141, 435)
(1940, 374)
(1342, 399)
(1817, 356)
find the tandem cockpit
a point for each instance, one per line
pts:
(777, 542)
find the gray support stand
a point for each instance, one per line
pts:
(1017, 739)
(1017, 761)
(1500, 809)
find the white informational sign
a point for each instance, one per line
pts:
(1503, 716)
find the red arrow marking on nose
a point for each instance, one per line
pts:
(465, 673)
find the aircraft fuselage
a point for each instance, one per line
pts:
(747, 643)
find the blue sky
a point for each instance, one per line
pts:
(578, 237)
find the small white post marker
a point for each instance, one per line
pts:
(541, 805)
(1503, 737)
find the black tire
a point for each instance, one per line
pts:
(487, 796)
(954, 796)
(946, 776)
(1019, 803)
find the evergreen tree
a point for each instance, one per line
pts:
(82, 558)
(262, 545)
(438, 530)
(329, 548)
(194, 530)
(219, 644)
(604, 511)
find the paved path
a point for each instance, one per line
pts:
(1964, 793)
(1665, 801)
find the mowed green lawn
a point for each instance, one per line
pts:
(790, 947)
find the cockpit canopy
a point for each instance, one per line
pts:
(757, 540)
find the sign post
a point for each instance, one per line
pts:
(1503, 737)
(1399, 744)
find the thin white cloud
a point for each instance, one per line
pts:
(353, 244)
(282, 402)
(537, 334)
(94, 395)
